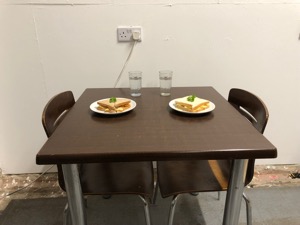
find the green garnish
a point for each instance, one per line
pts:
(112, 99)
(191, 98)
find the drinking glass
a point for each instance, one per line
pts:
(135, 82)
(165, 78)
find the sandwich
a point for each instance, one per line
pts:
(113, 104)
(191, 103)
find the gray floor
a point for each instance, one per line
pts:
(274, 198)
(271, 206)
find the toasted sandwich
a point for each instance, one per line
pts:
(122, 102)
(191, 104)
(114, 104)
(107, 104)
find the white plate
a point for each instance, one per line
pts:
(95, 105)
(209, 109)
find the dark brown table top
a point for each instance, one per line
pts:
(153, 131)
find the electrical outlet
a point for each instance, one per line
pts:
(125, 33)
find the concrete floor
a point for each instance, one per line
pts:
(46, 186)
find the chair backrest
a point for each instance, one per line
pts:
(256, 112)
(54, 112)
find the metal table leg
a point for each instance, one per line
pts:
(234, 193)
(74, 194)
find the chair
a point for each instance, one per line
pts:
(178, 177)
(100, 178)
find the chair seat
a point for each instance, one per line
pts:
(117, 178)
(174, 177)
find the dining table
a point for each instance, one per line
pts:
(153, 129)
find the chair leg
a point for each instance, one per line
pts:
(154, 195)
(155, 184)
(219, 195)
(66, 215)
(172, 210)
(85, 201)
(146, 209)
(248, 209)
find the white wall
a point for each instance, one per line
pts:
(50, 46)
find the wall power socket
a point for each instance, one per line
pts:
(125, 33)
